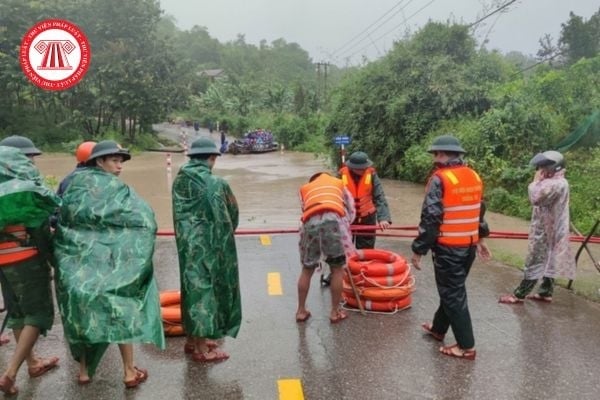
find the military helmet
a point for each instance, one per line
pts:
(550, 160)
(358, 160)
(203, 146)
(84, 150)
(446, 143)
(22, 143)
(109, 147)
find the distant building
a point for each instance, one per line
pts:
(212, 74)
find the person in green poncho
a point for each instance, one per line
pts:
(105, 285)
(205, 216)
(25, 205)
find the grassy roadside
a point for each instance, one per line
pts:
(587, 279)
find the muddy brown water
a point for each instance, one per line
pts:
(266, 187)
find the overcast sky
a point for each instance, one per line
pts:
(332, 30)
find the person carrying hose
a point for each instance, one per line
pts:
(25, 256)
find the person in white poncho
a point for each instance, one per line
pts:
(549, 254)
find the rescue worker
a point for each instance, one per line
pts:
(205, 217)
(104, 244)
(82, 153)
(25, 206)
(549, 254)
(360, 177)
(452, 226)
(327, 210)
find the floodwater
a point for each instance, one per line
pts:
(266, 187)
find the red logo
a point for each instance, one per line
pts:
(55, 54)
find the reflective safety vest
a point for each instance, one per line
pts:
(13, 248)
(462, 204)
(362, 193)
(325, 193)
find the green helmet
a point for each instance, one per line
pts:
(109, 147)
(358, 160)
(22, 143)
(446, 143)
(203, 146)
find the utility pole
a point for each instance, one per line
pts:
(322, 81)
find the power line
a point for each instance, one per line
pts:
(377, 27)
(367, 28)
(502, 7)
(394, 28)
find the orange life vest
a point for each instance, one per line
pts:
(13, 250)
(325, 193)
(362, 193)
(463, 189)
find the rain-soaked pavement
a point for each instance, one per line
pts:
(529, 351)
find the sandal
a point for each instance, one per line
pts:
(204, 357)
(189, 348)
(427, 328)
(510, 299)
(7, 386)
(47, 365)
(539, 297)
(141, 375)
(340, 316)
(466, 354)
(303, 318)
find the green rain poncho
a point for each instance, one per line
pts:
(25, 201)
(105, 283)
(23, 198)
(205, 215)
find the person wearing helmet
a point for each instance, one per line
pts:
(452, 226)
(25, 274)
(103, 247)
(82, 153)
(549, 254)
(205, 217)
(22, 143)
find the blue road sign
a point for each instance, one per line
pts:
(342, 140)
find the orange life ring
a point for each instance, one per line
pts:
(171, 329)
(380, 281)
(382, 306)
(380, 294)
(171, 313)
(170, 297)
(376, 262)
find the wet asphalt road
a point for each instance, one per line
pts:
(529, 351)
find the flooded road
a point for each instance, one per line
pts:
(265, 185)
(367, 357)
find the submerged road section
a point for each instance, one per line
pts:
(528, 351)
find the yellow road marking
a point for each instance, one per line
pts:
(274, 284)
(290, 389)
(265, 240)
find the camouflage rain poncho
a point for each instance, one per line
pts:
(205, 215)
(549, 254)
(25, 201)
(23, 198)
(105, 283)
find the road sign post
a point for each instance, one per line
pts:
(342, 140)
